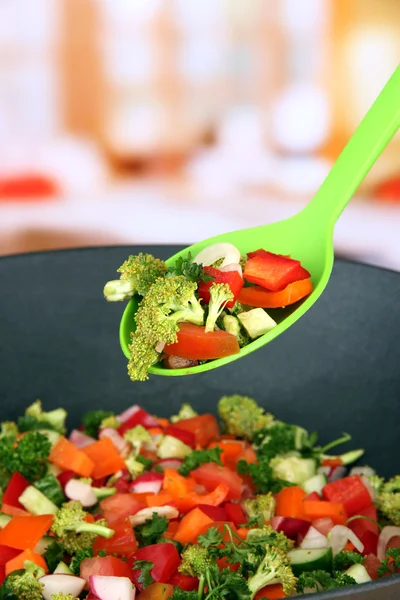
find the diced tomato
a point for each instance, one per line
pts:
(105, 566)
(120, 506)
(140, 417)
(165, 558)
(184, 582)
(217, 513)
(349, 491)
(273, 271)
(7, 553)
(204, 427)
(123, 542)
(211, 474)
(156, 591)
(187, 437)
(14, 489)
(232, 278)
(271, 592)
(360, 526)
(235, 513)
(371, 563)
(394, 542)
(194, 343)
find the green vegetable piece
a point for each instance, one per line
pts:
(220, 294)
(151, 531)
(37, 503)
(242, 416)
(138, 273)
(388, 500)
(274, 567)
(92, 421)
(190, 270)
(29, 457)
(199, 457)
(256, 322)
(322, 580)
(261, 508)
(51, 488)
(23, 584)
(185, 412)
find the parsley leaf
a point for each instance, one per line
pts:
(75, 564)
(53, 555)
(144, 461)
(391, 563)
(145, 566)
(180, 594)
(322, 580)
(198, 457)
(262, 476)
(190, 270)
(212, 538)
(345, 559)
(92, 421)
(151, 530)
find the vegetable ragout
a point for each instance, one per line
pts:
(189, 508)
(206, 307)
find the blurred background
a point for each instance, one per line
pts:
(168, 121)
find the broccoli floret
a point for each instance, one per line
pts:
(62, 596)
(281, 438)
(75, 533)
(261, 508)
(93, 419)
(169, 301)
(232, 325)
(273, 568)
(185, 412)
(137, 435)
(138, 273)
(9, 429)
(388, 500)
(242, 416)
(134, 466)
(28, 456)
(24, 584)
(220, 294)
(111, 422)
(36, 418)
(376, 482)
(270, 537)
(195, 561)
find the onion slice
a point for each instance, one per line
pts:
(367, 471)
(209, 255)
(369, 487)
(60, 583)
(385, 536)
(340, 535)
(107, 587)
(128, 413)
(232, 267)
(146, 513)
(314, 539)
(80, 439)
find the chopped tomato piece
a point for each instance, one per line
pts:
(211, 474)
(360, 526)
(120, 506)
(105, 566)
(165, 558)
(349, 491)
(193, 342)
(123, 542)
(184, 582)
(204, 428)
(273, 271)
(262, 298)
(371, 563)
(232, 278)
(140, 417)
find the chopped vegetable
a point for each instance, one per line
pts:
(273, 271)
(195, 343)
(260, 297)
(138, 273)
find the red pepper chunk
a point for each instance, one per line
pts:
(349, 491)
(16, 486)
(232, 278)
(273, 271)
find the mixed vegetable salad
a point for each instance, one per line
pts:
(206, 307)
(186, 508)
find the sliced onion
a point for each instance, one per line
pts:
(80, 439)
(147, 483)
(369, 487)
(61, 584)
(79, 490)
(120, 444)
(107, 587)
(314, 539)
(340, 535)
(128, 413)
(170, 463)
(170, 512)
(323, 525)
(209, 255)
(232, 267)
(385, 536)
(324, 471)
(336, 473)
(368, 471)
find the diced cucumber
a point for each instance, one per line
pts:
(256, 322)
(37, 503)
(4, 519)
(43, 544)
(311, 559)
(293, 468)
(315, 484)
(52, 436)
(171, 447)
(359, 573)
(62, 569)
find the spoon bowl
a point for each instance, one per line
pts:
(306, 236)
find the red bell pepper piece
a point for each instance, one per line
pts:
(235, 513)
(140, 417)
(187, 437)
(360, 526)
(165, 558)
(7, 553)
(14, 489)
(273, 271)
(349, 491)
(2, 574)
(232, 278)
(216, 513)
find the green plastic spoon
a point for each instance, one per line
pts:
(308, 235)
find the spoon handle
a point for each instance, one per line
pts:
(367, 143)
